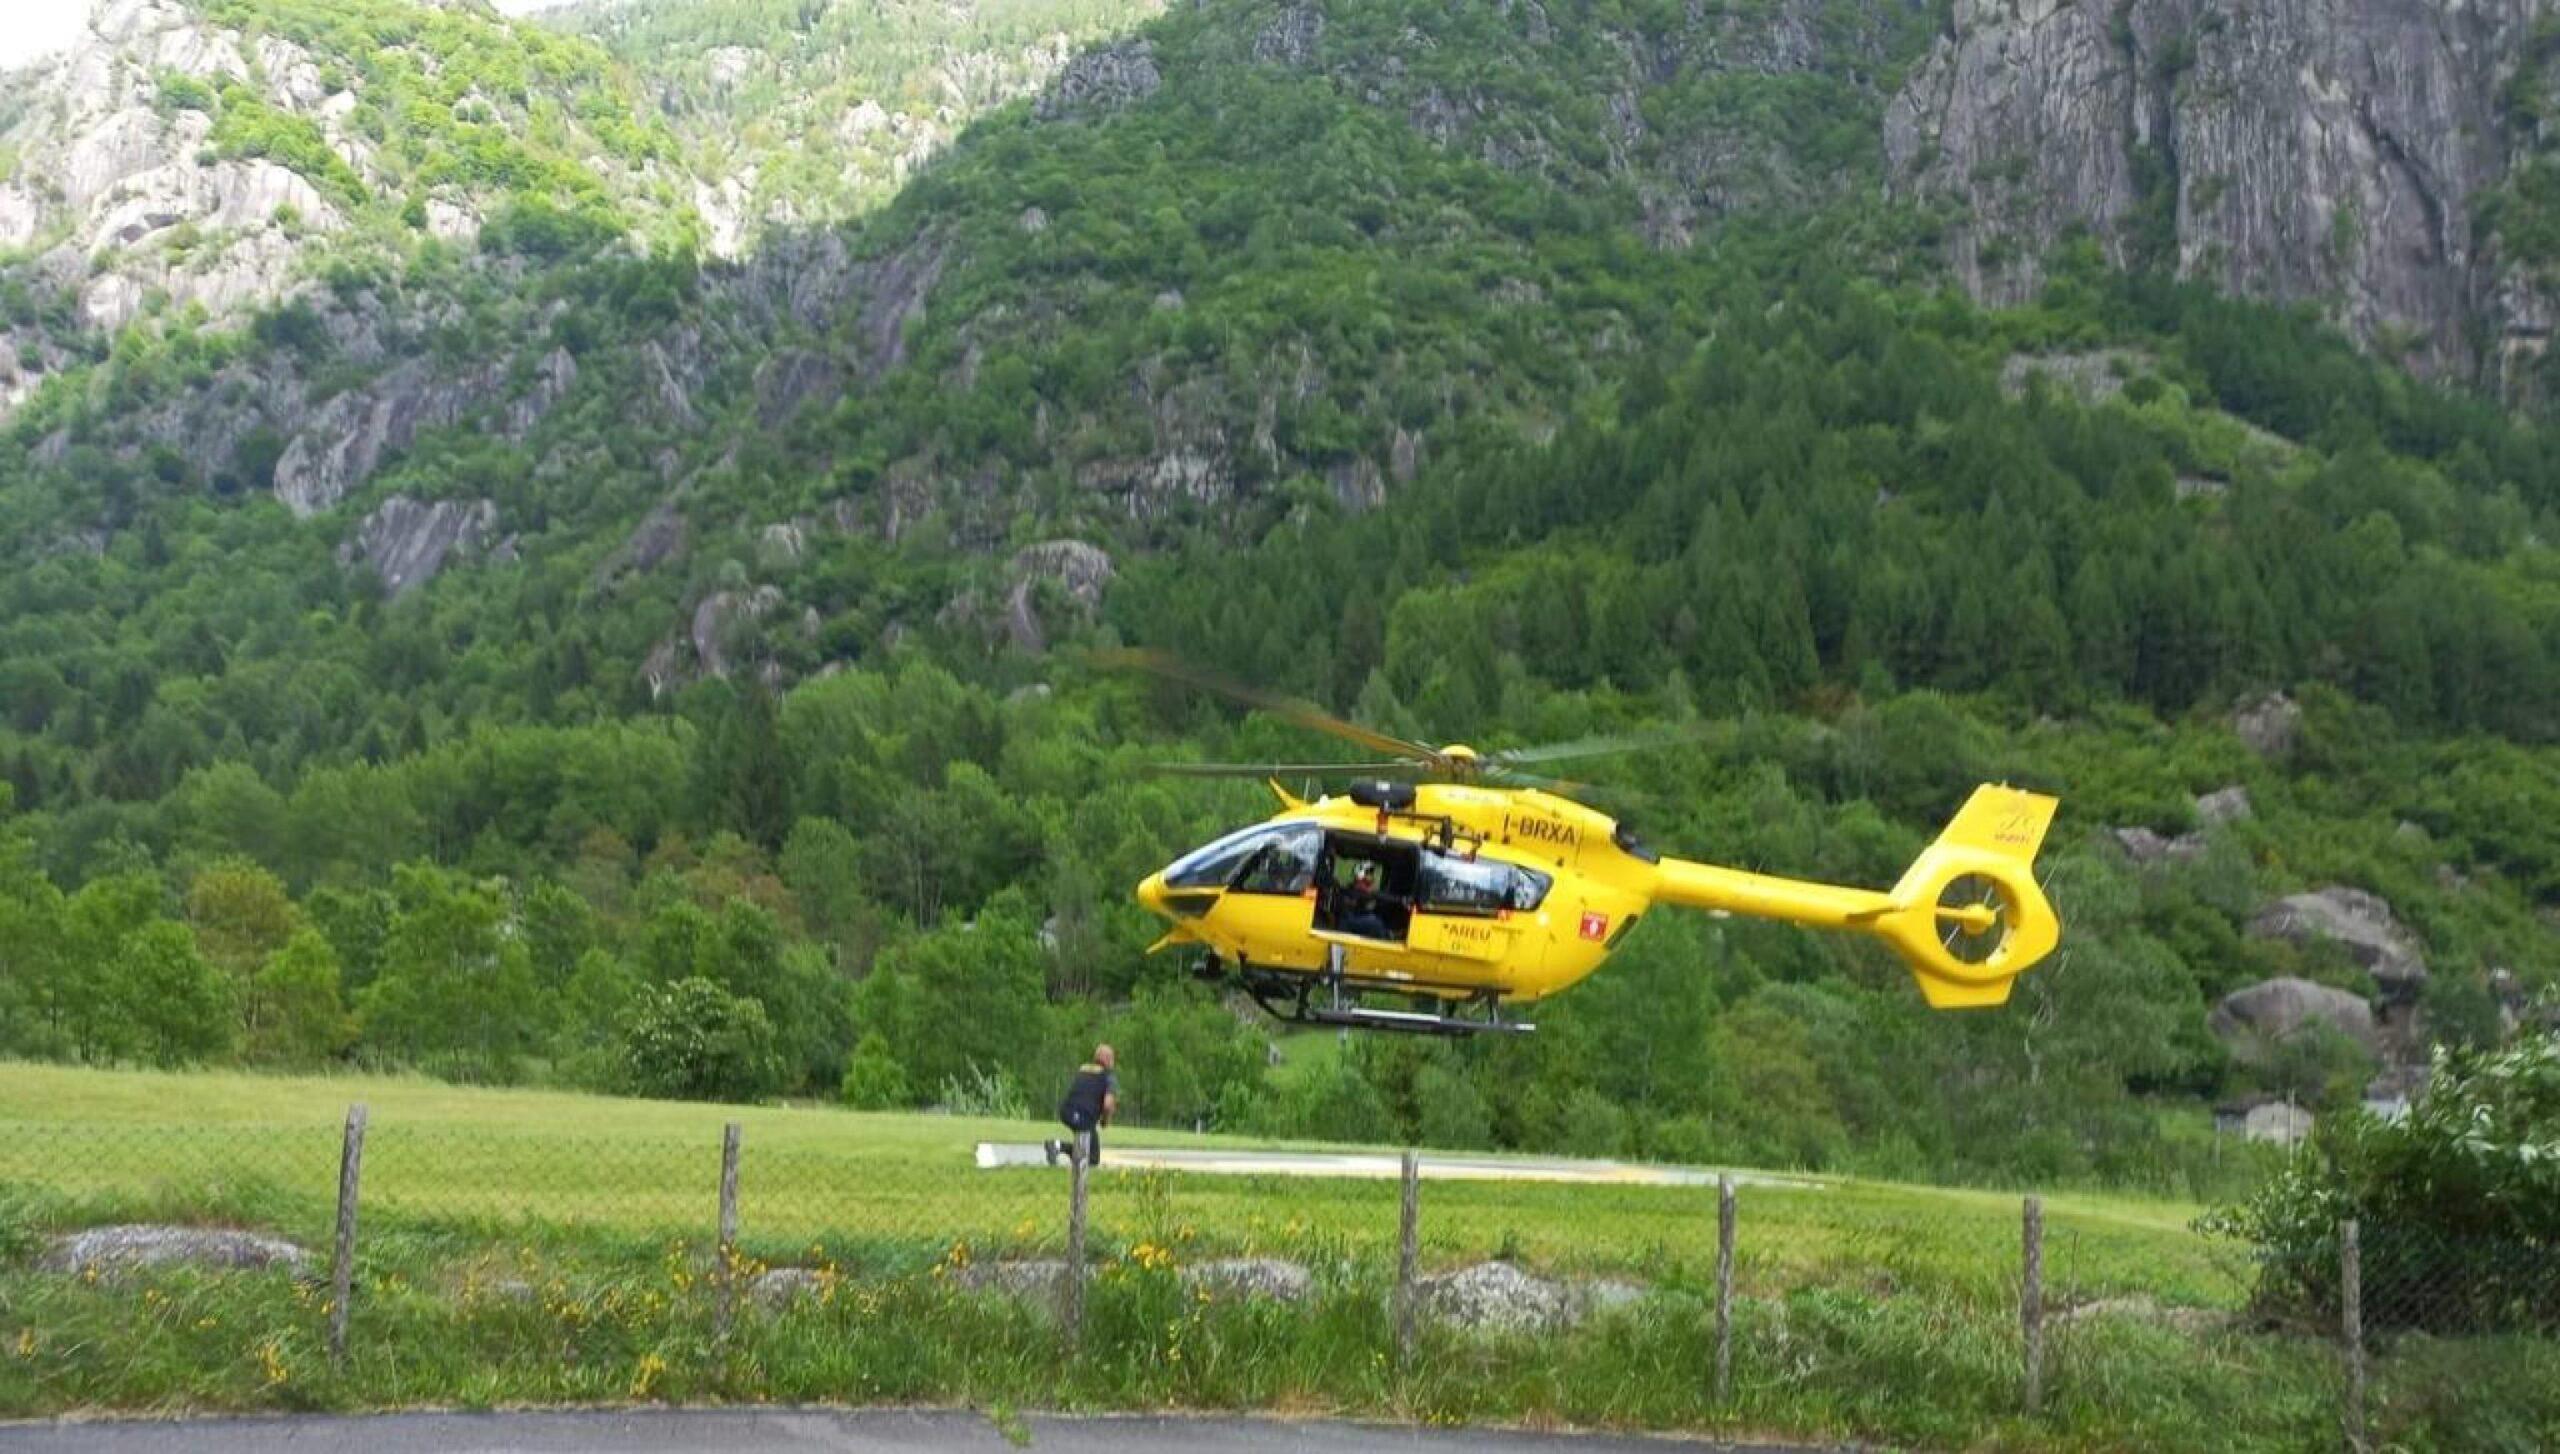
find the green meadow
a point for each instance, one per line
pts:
(537, 1247)
(87, 1144)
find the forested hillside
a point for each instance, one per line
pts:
(560, 651)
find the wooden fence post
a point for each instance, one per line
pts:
(2351, 1325)
(342, 1270)
(1074, 1291)
(1724, 1287)
(1408, 1253)
(728, 1252)
(2031, 1305)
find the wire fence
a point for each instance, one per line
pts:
(2034, 1304)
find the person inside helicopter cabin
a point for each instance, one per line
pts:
(1359, 913)
(1090, 1100)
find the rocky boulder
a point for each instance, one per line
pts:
(2270, 725)
(119, 1250)
(407, 541)
(2141, 1307)
(2147, 847)
(2357, 921)
(2278, 1122)
(1498, 1297)
(1272, 1279)
(1494, 1297)
(781, 1286)
(2223, 805)
(2273, 1010)
(1033, 1279)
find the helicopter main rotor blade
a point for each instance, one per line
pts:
(1289, 709)
(1283, 769)
(1600, 746)
(1614, 798)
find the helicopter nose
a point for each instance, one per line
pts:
(1151, 894)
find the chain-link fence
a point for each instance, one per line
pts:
(1766, 1292)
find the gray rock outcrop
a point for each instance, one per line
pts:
(2270, 725)
(661, 536)
(118, 1250)
(123, 190)
(2273, 1010)
(1078, 569)
(1291, 37)
(2325, 151)
(1104, 79)
(407, 541)
(346, 439)
(720, 618)
(791, 379)
(2356, 921)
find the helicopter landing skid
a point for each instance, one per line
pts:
(1332, 999)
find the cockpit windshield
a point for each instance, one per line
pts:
(1284, 862)
(1214, 867)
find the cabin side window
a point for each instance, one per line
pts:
(1455, 885)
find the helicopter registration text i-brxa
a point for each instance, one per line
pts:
(1490, 888)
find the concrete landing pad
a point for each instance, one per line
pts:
(1381, 1166)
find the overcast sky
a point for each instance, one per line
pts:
(30, 28)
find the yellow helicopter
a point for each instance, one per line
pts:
(1462, 881)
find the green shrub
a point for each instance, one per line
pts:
(694, 1040)
(2458, 1202)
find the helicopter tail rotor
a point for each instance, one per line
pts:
(1968, 916)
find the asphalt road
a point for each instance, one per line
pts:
(1376, 1166)
(800, 1431)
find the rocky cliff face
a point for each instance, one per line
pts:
(174, 165)
(2332, 152)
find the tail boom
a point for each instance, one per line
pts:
(1968, 916)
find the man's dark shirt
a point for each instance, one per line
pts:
(1082, 1107)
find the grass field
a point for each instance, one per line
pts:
(539, 1247)
(439, 1153)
